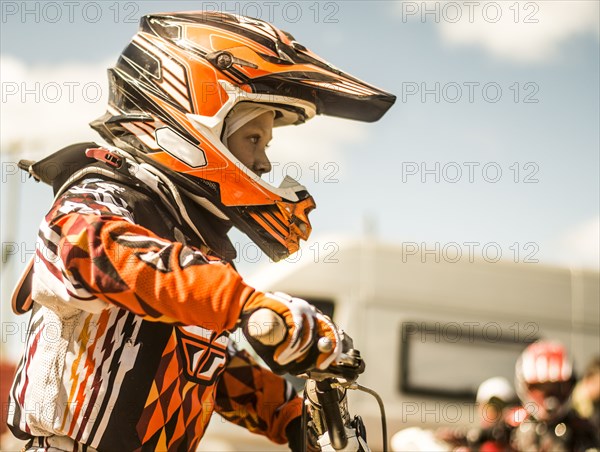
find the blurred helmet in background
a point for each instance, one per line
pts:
(544, 380)
(496, 388)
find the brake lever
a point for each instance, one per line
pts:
(348, 366)
(338, 372)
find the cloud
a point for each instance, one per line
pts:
(46, 107)
(522, 31)
(582, 244)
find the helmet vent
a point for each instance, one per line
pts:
(141, 60)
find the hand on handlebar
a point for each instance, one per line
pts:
(292, 336)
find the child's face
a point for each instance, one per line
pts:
(249, 143)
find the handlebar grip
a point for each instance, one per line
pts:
(267, 327)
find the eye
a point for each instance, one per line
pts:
(254, 139)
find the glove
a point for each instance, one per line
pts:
(297, 352)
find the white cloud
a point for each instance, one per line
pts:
(524, 31)
(48, 107)
(582, 244)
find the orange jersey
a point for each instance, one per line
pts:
(128, 344)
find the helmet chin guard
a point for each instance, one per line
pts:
(177, 81)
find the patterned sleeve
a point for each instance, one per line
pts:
(91, 252)
(255, 398)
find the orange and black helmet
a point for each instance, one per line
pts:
(175, 84)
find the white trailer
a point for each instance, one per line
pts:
(431, 329)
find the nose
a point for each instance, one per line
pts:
(262, 164)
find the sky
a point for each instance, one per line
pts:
(492, 145)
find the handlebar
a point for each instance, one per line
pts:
(325, 391)
(270, 330)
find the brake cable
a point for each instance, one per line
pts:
(381, 410)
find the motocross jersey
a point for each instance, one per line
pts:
(128, 342)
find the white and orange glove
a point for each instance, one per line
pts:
(293, 348)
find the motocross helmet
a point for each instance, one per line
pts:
(544, 380)
(495, 388)
(173, 87)
(493, 396)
